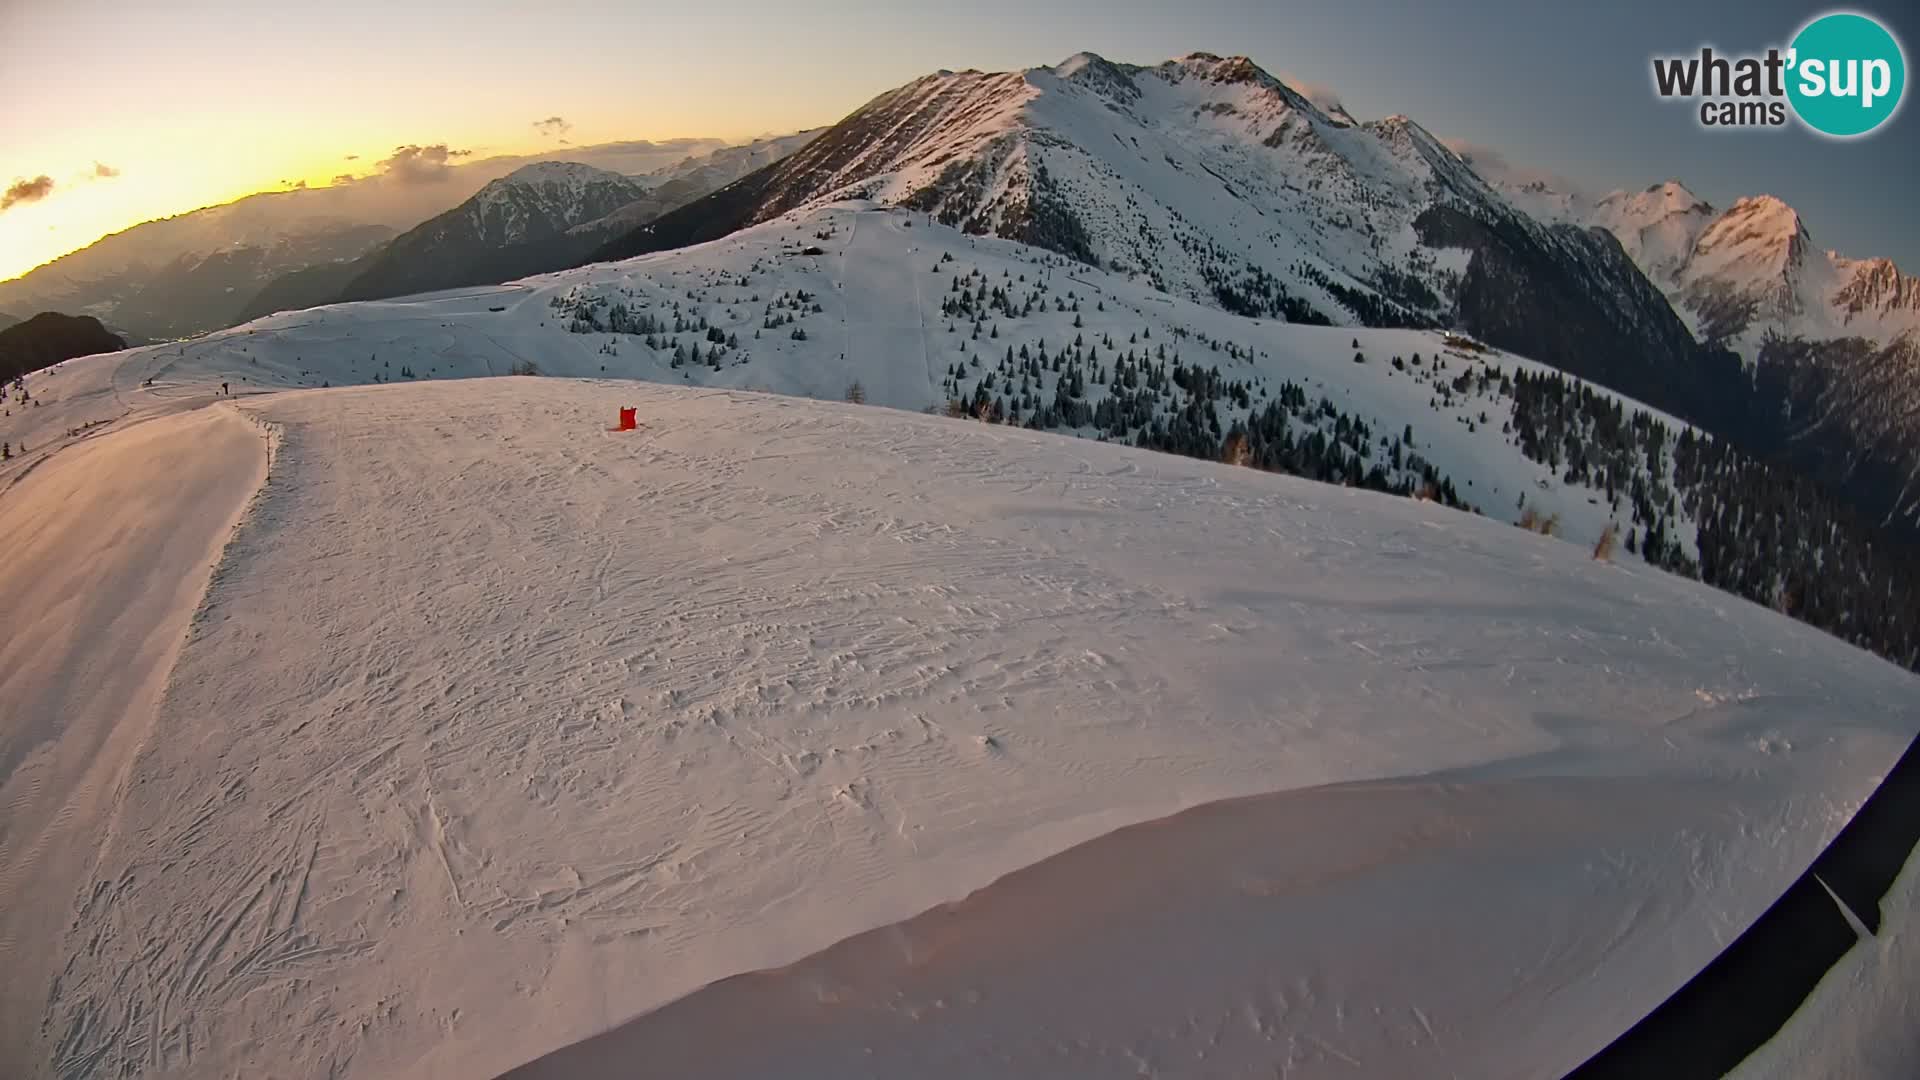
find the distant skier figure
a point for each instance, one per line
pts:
(223, 389)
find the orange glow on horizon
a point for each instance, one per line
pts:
(83, 207)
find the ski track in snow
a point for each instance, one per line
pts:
(110, 544)
(497, 728)
(886, 325)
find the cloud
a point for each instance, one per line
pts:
(552, 127)
(27, 191)
(353, 157)
(293, 185)
(419, 164)
(344, 179)
(99, 171)
(1496, 167)
(1323, 96)
(1474, 153)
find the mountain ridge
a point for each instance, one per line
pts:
(515, 225)
(47, 339)
(1212, 179)
(179, 257)
(571, 207)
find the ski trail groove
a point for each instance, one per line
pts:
(134, 603)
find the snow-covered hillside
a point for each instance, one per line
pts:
(922, 316)
(495, 728)
(1211, 180)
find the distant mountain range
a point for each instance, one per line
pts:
(540, 217)
(1742, 273)
(1831, 344)
(516, 225)
(200, 271)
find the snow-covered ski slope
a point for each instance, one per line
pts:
(883, 283)
(495, 729)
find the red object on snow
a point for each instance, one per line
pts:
(628, 420)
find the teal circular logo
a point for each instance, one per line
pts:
(1846, 74)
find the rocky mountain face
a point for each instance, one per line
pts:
(517, 225)
(1828, 346)
(48, 338)
(1211, 179)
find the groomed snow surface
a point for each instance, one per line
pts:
(489, 730)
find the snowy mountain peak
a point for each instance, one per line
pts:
(563, 186)
(1239, 71)
(1659, 227)
(1758, 237)
(551, 172)
(1767, 217)
(1400, 128)
(513, 225)
(562, 193)
(1093, 72)
(1226, 69)
(1669, 197)
(1078, 62)
(1121, 82)
(1678, 194)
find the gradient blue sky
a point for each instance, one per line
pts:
(199, 101)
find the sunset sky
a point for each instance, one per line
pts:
(138, 110)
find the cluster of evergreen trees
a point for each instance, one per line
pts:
(1142, 394)
(1764, 532)
(672, 331)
